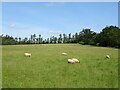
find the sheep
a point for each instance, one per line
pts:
(27, 54)
(76, 60)
(71, 61)
(65, 54)
(107, 56)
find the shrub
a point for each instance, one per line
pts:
(82, 43)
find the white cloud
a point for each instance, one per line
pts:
(12, 26)
(54, 32)
(18, 26)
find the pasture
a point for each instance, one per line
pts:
(47, 68)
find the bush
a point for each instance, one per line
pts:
(82, 43)
(97, 44)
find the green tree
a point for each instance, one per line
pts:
(76, 38)
(25, 40)
(73, 38)
(47, 40)
(40, 39)
(16, 39)
(50, 39)
(34, 38)
(37, 40)
(110, 37)
(69, 38)
(19, 40)
(60, 38)
(31, 39)
(64, 38)
(86, 36)
(55, 39)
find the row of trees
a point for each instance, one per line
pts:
(109, 36)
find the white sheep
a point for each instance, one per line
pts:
(107, 56)
(76, 60)
(71, 61)
(27, 54)
(65, 54)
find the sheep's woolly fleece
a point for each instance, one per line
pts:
(76, 60)
(73, 60)
(65, 54)
(27, 54)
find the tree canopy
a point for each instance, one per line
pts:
(108, 37)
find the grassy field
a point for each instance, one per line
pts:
(47, 68)
(0, 66)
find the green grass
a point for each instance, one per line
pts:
(0, 66)
(47, 68)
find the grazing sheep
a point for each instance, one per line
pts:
(76, 60)
(65, 54)
(107, 56)
(27, 54)
(71, 61)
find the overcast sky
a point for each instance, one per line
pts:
(21, 19)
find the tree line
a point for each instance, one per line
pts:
(108, 37)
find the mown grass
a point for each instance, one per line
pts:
(47, 68)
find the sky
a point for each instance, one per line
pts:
(21, 19)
